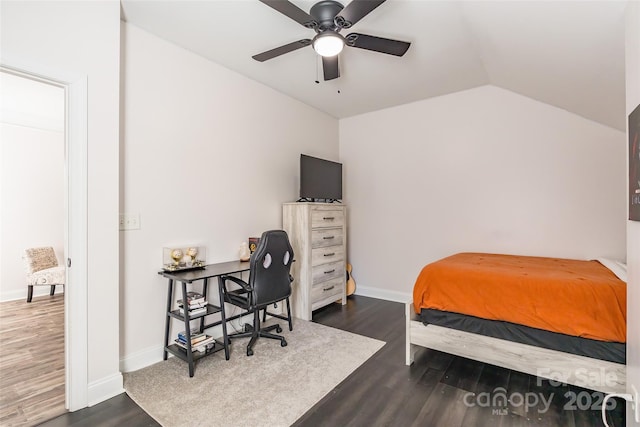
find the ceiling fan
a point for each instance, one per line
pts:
(327, 18)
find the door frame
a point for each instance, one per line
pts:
(75, 233)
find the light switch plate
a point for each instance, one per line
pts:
(130, 221)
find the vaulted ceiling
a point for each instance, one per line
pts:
(569, 54)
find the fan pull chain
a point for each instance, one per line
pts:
(317, 69)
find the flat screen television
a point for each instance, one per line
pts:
(320, 180)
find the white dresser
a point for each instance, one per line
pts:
(318, 234)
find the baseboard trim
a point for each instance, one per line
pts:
(383, 294)
(141, 359)
(38, 291)
(105, 388)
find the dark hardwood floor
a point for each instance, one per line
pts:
(437, 390)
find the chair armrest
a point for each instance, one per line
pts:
(244, 285)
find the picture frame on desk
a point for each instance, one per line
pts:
(253, 244)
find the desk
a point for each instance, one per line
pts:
(190, 276)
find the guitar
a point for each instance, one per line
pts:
(351, 284)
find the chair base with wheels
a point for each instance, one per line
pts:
(242, 297)
(254, 331)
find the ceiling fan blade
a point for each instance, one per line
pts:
(377, 44)
(330, 67)
(292, 11)
(281, 50)
(355, 11)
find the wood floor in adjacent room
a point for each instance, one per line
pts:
(385, 392)
(31, 360)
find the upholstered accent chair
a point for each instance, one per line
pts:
(42, 269)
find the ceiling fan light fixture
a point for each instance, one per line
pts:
(328, 43)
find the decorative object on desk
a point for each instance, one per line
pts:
(192, 253)
(176, 256)
(183, 258)
(244, 252)
(253, 243)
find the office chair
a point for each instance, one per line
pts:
(269, 282)
(42, 269)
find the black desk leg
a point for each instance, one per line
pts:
(204, 294)
(223, 318)
(167, 320)
(187, 328)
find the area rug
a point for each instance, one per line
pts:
(274, 387)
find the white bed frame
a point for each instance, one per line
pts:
(568, 368)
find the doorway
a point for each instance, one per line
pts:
(75, 222)
(33, 214)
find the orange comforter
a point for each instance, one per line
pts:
(580, 298)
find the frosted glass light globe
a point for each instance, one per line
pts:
(328, 44)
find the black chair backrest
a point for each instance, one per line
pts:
(269, 268)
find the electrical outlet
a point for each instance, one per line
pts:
(129, 221)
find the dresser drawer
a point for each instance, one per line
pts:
(322, 273)
(327, 254)
(326, 237)
(327, 289)
(327, 218)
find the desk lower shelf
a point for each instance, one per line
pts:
(181, 353)
(211, 309)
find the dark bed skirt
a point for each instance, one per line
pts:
(610, 351)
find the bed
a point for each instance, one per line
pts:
(560, 319)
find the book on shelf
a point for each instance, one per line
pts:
(198, 341)
(194, 305)
(194, 311)
(193, 345)
(193, 297)
(195, 334)
(202, 346)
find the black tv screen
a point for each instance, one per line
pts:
(320, 179)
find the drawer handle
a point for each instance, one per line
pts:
(328, 218)
(330, 271)
(331, 254)
(329, 288)
(329, 237)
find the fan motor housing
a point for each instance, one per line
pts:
(324, 13)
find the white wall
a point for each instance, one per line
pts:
(208, 157)
(633, 227)
(31, 178)
(482, 170)
(83, 38)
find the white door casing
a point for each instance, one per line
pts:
(76, 333)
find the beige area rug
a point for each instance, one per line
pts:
(274, 387)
